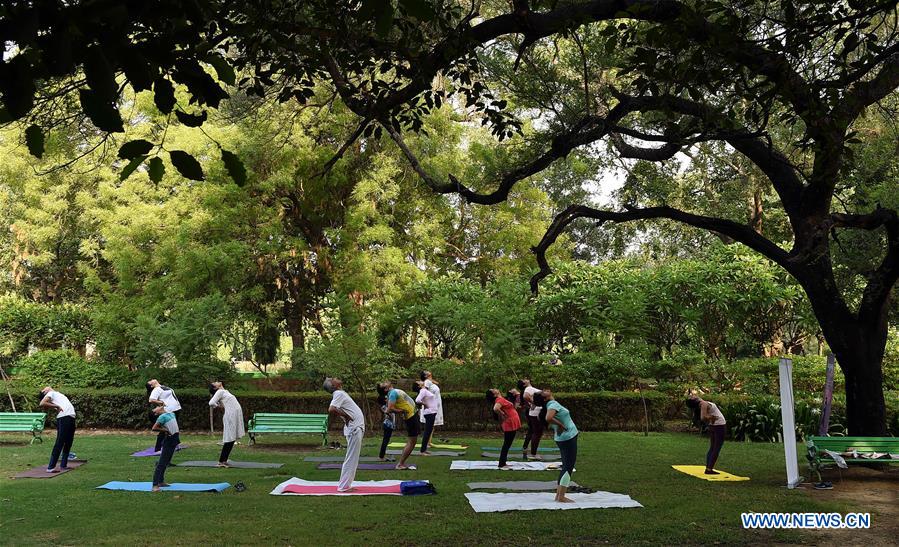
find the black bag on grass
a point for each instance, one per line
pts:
(417, 488)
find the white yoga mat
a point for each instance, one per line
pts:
(493, 503)
(469, 465)
(279, 490)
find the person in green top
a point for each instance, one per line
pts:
(398, 402)
(565, 432)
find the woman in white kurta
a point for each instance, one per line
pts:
(232, 421)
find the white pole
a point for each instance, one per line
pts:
(789, 423)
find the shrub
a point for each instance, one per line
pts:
(127, 408)
(64, 367)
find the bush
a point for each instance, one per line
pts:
(127, 408)
(64, 367)
(46, 326)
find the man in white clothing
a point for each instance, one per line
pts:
(354, 430)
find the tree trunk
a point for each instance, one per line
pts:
(858, 343)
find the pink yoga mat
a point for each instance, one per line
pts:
(148, 452)
(40, 472)
(357, 490)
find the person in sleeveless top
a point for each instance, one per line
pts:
(710, 414)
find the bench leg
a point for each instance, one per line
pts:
(252, 438)
(324, 439)
(35, 437)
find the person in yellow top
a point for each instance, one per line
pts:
(400, 403)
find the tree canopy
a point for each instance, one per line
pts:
(792, 88)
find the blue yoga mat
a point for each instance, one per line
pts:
(176, 487)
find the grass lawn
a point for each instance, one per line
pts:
(677, 508)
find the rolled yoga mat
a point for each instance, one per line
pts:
(518, 486)
(40, 472)
(433, 453)
(365, 466)
(698, 471)
(436, 446)
(146, 453)
(239, 465)
(175, 487)
(482, 502)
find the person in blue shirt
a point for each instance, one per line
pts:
(167, 424)
(565, 433)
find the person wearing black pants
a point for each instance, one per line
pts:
(710, 414)
(386, 427)
(565, 434)
(160, 395)
(167, 424)
(428, 402)
(65, 427)
(511, 422)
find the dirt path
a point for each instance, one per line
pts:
(864, 490)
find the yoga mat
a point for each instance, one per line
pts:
(340, 459)
(365, 466)
(490, 503)
(300, 487)
(239, 465)
(698, 471)
(545, 457)
(433, 453)
(432, 445)
(466, 465)
(176, 487)
(514, 449)
(149, 451)
(40, 472)
(518, 486)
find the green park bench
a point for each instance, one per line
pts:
(32, 422)
(817, 457)
(264, 422)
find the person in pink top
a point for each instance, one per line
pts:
(510, 422)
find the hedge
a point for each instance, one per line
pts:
(122, 408)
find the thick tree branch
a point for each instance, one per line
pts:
(665, 152)
(863, 94)
(738, 232)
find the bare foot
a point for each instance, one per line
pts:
(350, 489)
(401, 467)
(155, 489)
(425, 453)
(222, 464)
(564, 499)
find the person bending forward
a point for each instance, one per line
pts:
(65, 427)
(232, 420)
(398, 402)
(510, 422)
(711, 415)
(559, 419)
(354, 430)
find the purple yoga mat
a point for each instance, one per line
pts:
(149, 451)
(40, 472)
(366, 466)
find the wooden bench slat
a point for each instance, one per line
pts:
(32, 422)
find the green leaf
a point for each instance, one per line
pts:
(132, 165)
(34, 138)
(187, 165)
(224, 71)
(101, 112)
(420, 9)
(235, 167)
(135, 148)
(155, 169)
(164, 95)
(191, 120)
(99, 74)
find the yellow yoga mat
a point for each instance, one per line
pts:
(698, 471)
(434, 446)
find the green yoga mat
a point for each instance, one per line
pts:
(434, 446)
